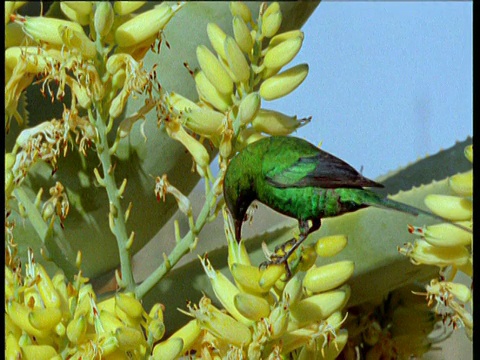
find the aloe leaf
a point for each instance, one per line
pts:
(373, 237)
(86, 227)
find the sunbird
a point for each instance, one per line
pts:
(297, 179)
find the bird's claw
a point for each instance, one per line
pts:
(277, 260)
(282, 247)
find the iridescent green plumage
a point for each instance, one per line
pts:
(299, 180)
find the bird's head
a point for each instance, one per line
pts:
(238, 192)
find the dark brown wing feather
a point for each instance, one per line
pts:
(320, 170)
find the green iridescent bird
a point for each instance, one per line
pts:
(299, 180)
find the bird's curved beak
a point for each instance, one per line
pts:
(238, 230)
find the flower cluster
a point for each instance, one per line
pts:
(450, 248)
(59, 51)
(398, 326)
(268, 315)
(50, 318)
(232, 83)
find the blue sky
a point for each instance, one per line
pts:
(389, 81)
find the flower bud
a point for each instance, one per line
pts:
(450, 207)
(329, 246)
(78, 11)
(217, 38)
(284, 83)
(238, 8)
(78, 40)
(249, 108)
(214, 71)
(194, 147)
(14, 35)
(129, 338)
(210, 94)
(328, 277)
(76, 329)
(236, 60)
(127, 7)
(144, 26)
(278, 321)
(319, 307)
(280, 38)
(242, 35)
(251, 306)
(275, 123)
(462, 184)
(170, 349)
(448, 235)
(103, 19)
(204, 121)
(271, 20)
(283, 53)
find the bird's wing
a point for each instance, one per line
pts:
(320, 170)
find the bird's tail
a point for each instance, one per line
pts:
(395, 205)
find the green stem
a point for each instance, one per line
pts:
(119, 228)
(181, 248)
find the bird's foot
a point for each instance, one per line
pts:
(281, 256)
(282, 247)
(277, 260)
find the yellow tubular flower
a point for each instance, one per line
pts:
(327, 277)
(276, 123)
(103, 18)
(45, 319)
(236, 60)
(79, 41)
(12, 348)
(208, 93)
(271, 20)
(283, 53)
(214, 71)
(194, 147)
(134, 31)
(280, 38)
(169, 349)
(217, 38)
(225, 291)
(131, 306)
(127, 7)
(38, 352)
(292, 293)
(249, 108)
(251, 306)
(221, 325)
(284, 83)
(238, 8)
(424, 253)
(450, 207)
(242, 35)
(320, 306)
(448, 235)
(462, 184)
(329, 246)
(78, 11)
(278, 321)
(49, 29)
(204, 121)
